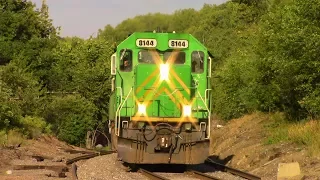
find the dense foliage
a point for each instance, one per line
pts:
(266, 59)
(48, 83)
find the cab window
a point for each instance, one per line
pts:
(197, 61)
(148, 57)
(125, 60)
(175, 57)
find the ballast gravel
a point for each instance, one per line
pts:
(105, 167)
(108, 167)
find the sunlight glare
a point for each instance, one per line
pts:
(164, 72)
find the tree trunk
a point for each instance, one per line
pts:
(89, 140)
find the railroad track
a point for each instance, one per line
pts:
(60, 169)
(192, 172)
(195, 174)
(203, 176)
(88, 155)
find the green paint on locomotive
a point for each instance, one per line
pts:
(147, 90)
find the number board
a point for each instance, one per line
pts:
(178, 43)
(146, 42)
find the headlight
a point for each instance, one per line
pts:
(187, 110)
(164, 71)
(188, 126)
(140, 125)
(142, 109)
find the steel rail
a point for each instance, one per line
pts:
(88, 156)
(232, 170)
(203, 176)
(74, 171)
(151, 175)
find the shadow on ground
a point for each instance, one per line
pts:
(207, 168)
(180, 168)
(221, 161)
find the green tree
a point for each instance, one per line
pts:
(71, 117)
(19, 23)
(289, 57)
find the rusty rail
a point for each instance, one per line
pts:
(74, 171)
(59, 169)
(51, 167)
(151, 175)
(203, 176)
(86, 151)
(232, 170)
(74, 151)
(87, 156)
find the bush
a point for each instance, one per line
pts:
(33, 127)
(234, 86)
(13, 138)
(71, 117)
(289, 51)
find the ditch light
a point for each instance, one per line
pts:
(188, 126)
(142, 109)
(164, 72)
(187, 110)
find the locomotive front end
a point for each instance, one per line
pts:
(162, 113)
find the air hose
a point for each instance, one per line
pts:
(173, 148)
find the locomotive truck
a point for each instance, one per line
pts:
(159, 109)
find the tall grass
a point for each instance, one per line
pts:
(11, 138)
(305, 133)
(308, 134)
(276, 128)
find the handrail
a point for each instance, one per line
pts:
(112, 84)
(205, 95)
(203, 101)
(118, 109)
(209, 75)
(119, 112)
(209, 115)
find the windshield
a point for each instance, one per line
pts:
(147, 56)
(151, 56)
(175, 57)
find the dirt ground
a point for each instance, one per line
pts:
(239, 144)
(51, 149)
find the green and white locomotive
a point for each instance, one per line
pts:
(160, 104)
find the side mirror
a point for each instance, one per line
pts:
(113, 65)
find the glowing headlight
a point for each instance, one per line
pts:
(188, 126)
(187, 110)
(164, 71)
(142, 109)
(140, 125)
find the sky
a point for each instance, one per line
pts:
(83, 18)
